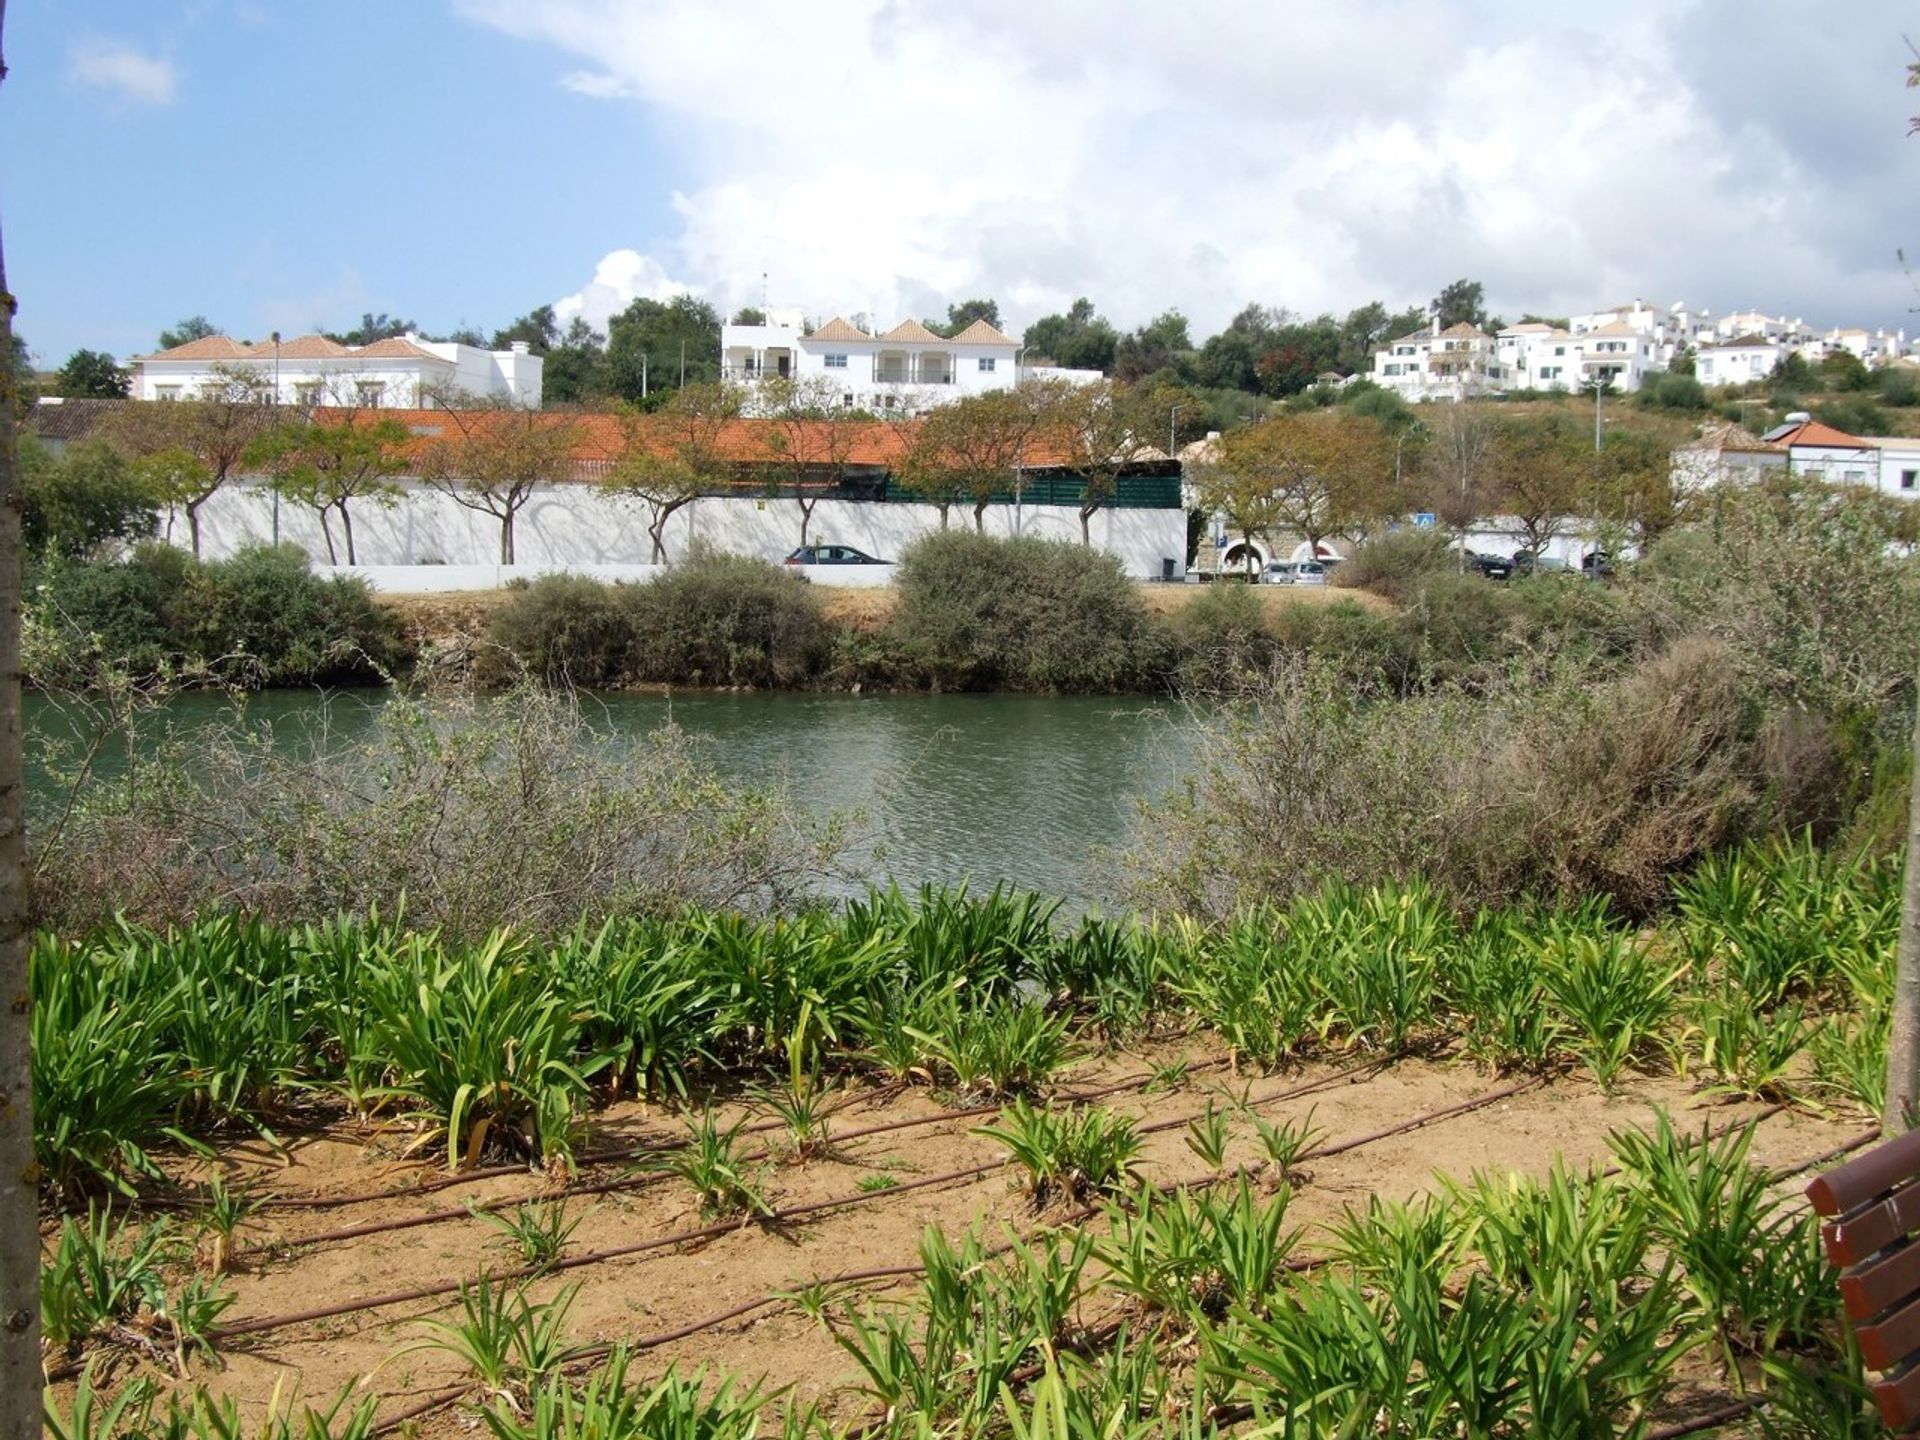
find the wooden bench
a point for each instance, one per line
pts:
(1871, 1210)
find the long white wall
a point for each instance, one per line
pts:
(575, 527)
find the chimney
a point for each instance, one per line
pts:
(520, 347)
(1436, 322)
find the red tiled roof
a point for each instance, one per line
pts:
(839, 329)
(1812, 432)
(300, 347)
(981, 333)
(913, 332)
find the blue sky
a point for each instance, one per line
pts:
(308, 162)
(286, 164)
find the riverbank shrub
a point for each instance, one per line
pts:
(976, 612)
(561, 630)
(1393, 565)
(461, 814)
(260, 618)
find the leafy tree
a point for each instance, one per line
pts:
(1096, 431)
(187, 450)
(1161, 344)
(749, 315)
(663, 332)
(576, 368)
(538, 329)
(969, 450)
(1462, 302)
(1682, 362)
(1327, 474)
(326, 466)
(1792, 369)
(1844, 370)
(194, 327)
(92, 374)
(373, 328)
(493, 458)
(1635, 471)
(1077, 340)
(1541, 472)
(1674, 391)
(672, 457)
(809, 436)
(464, 335)
(88, 499)
(964, 314)
(1297, 355)
(1457, 464)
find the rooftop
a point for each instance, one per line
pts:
(215, 348)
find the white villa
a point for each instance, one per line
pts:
(906, 368)
(1728, 455)
(1434, 364)
(404, 373)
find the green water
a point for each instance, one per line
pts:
(982, 788)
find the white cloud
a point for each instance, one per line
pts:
(595, 84)
(887, 157)
(117, 67)
(618, 280)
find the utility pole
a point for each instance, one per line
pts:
(1172, 415)
(1599, 389)
(683, 364)
(20, 1376)
(643, 374)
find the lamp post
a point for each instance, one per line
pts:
(1172, 415)
(643, 374)
(276, 400)
(1599, 389)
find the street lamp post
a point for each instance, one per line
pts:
(276, 400)
(1599, 389)
(1172, 415)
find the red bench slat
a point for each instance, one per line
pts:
(1899, 1400)
(1865, 1234)
(1876, 1288)
(1883, 1168)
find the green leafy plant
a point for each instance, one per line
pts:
(1207, 1136)
(537, 1231)
(1287, 1143)
(1613, 996)
(506, 1339)
(1067, 1155)
(713, 1162)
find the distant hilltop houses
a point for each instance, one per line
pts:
(402, 373)
(906, 368)
(1622, 347)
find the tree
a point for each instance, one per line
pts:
(672, 457)
(1634, 472)
(1461, 303)
(576, 368)
(496, 456)
(960, 316)
(1077, 340)
(374, 328)
(1161, 344)
(186, 450)
(973, 447)
(685, 328)
(1540, 469)
(1323, 474)
(538, 330)
(92, 374)
(327, 465)
(1096, 431)
(749, 315)
(20, 1372)
(89, 498)
(194, 327)
(809, 436)
(1456, 461)
(1237, 482)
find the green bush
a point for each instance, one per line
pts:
(1220, 638)
(263, 617)
(80, 614)
(1674, 392)
(718, 619)
(84, 501)
(564, 630)
(976, 613)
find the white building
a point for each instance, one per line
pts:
(907, 368)
(404, 373)
(1538, 357)
(1737, 362)
(1434, 364)
(1725, 455)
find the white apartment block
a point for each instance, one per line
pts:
(1434, 364)
(906, 368)
(404, 373)
(1737, 362)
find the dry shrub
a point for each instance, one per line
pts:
(1540, 785)
(468, 814)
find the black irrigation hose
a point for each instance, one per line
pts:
(631, 1183)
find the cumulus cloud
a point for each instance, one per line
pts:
(618, 280)
(123, 71)
(884, 157)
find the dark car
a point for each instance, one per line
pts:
(1494, 567)
(1598, 565)
(832, 555)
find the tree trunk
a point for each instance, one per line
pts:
(656, 532)
(193, 522)
(506, 538)
(346, 524)
(1086, 537)
(19, 1176)
(1903, 1045)
(806, 518)
(326, 531)
(943, 516)
(980, 518)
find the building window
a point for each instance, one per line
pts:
(846, 400)
(836, 362)
(1909, 479)
(166, 392)
(987, 362)
(370, 393)
(308, 395)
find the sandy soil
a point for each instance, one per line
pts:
(659, 1290)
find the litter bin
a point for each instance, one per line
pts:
(1167, 565)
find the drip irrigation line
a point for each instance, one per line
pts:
(1859, 1142)
(659, 1242)
(1712, 1420)
(632, 1183)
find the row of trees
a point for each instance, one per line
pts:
(1340, 473)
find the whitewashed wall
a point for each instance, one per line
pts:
(573, 527)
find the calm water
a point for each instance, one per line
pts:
(983, 788)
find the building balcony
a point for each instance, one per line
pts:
(895, 379)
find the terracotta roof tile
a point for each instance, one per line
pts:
(981, 333)
(913, 332)
(839, 329)
(1812, 432)
(303, 347)
(207, 347)
(394, 349)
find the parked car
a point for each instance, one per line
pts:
(1276, 572)
(832, 555)
(1525, 562)
(1311, 572)
(1494, 567)
(1597, 566)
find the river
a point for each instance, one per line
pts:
(1025, 790)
